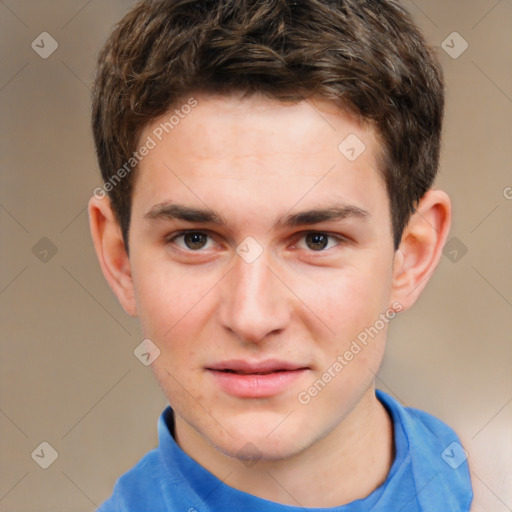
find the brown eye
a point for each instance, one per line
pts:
(320, 242)
(192, 240)
(317, 241)
(195, 240)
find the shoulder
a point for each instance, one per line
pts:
(139, 488)
(437, 458)
(419, 426)
(155, 483)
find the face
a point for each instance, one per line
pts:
(261, 253)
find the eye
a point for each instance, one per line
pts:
(318, 241)
(195, 241)
(192, 240)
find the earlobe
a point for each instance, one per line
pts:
(111, 252)
(421, 247)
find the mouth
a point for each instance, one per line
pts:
(261, 379)
(239, 372)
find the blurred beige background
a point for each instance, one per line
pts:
(68, 373)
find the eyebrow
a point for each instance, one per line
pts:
(171, 211)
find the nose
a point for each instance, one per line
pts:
(255, 301)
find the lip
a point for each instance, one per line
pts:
(258, 379)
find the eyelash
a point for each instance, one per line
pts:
(339, 238)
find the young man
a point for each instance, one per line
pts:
(267, 210)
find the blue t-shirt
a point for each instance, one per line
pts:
(429, 474)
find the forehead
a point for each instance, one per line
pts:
(263, 125)
(249, 147)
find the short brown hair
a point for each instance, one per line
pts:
(367, 56)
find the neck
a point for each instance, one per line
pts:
(347, 464)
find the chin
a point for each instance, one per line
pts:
(263, 436)
(251, 450)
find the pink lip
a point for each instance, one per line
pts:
(255, 379)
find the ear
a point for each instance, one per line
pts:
(421, 247)
(111, 252)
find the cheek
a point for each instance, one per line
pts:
(168, 297)
(174, 307)
(350, 355)
(172, 315)
(346, 300)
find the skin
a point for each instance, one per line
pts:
(254, 161)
